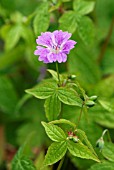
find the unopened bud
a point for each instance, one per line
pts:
(72, 77)
(100, 143)
(94, 98)
(90, 103)
(75, 139)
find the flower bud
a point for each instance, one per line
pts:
(70, 135)
(90, 103)
(72, 77)
(75, 139)
(100, 143)
(94, 98)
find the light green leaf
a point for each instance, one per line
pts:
(108, 151)
(106, 105)
(102, 88)
(41, 20)
(66, 18)
(84, 138)
(13, 36)
(69, 96)
(102, 166)
(81, 150)
(8, 97)
(54, 132)
(43, 90)
(52, 107)
(54, 74)
(103, 117)
(16, 17)
(86, 31)
(55, 152)
(83, 7)
(28, 35)
(63, 121)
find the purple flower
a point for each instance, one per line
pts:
(54, 46)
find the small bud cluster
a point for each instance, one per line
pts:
(91, 101)
(73, 137)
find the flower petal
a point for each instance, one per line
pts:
(45, 39)
(51, 57)
(54, 46)
(42, 52)
(61, 37)
(68, 46)
(64, 57)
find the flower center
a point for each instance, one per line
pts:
(56, 49)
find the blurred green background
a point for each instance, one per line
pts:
(92, 60)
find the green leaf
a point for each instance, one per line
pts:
(21, 159)
(102, 88)
(33, 123)
(43, 90)
(28, 35)
(106, 105)
(108, 151)
(103, 117)
(13, 36)
(69, 96)
(86, 30)
(108, 61)
(39, 161)
(54, 132)
(8, 96)
(81, 150)
(9, 58)
(23, 163)
(66, 18)
(52, 107)
(82, 61)
(21, 102)
(54, 74)
(55, 152)
(41, 20)
(102, 166)
(83, 7)
(16, 17)
(83, 137)
(64, 121)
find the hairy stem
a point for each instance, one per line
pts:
(108, 134)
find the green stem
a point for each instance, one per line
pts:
(109, 138)
(80, 115)
(57, 69)
(60, 164)
(108, 134)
